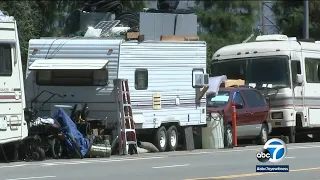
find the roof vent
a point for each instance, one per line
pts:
(273, 37)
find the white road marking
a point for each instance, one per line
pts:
(290, 157)
(12, 166)
(105, 160)
(178, 165)
(98, 161)
(255, 149)
(39, 177)
(191, 153)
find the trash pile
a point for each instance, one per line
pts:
(61, 136)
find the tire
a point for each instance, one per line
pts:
(172, 138)
(56, 148)
(38, 154)
(263, 136)
(228, 137)
(160, 140)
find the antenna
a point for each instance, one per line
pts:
(248, 39)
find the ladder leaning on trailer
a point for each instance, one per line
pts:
(126, 126)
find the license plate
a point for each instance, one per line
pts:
(277, 123)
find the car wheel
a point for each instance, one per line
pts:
(161, 139)
(172, 135)
(228, 137)
(263, 136)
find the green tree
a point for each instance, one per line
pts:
(133, 5)
(53, 15)
(226, 22)
(28, 19)
(289, 17)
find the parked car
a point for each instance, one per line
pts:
(252, 113)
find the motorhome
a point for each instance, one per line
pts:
(83, 70)
(286, 71)
(13, 127)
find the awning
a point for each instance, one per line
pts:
(7, 41)
(40, 64)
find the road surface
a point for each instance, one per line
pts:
(237, 163)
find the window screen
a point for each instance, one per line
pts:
(312, 70)
(141, 79)
(5, 60)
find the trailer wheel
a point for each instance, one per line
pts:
(172, 138)
(161, 139)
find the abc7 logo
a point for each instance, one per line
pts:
(263, 156)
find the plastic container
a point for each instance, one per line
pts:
(99, 150)
(212, 135)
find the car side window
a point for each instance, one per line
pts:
(238, 98)
(254, 98)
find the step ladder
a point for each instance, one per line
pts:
(128, 141)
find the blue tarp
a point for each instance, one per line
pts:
(69, 127)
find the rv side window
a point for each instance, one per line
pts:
(5, 60)
(141, 79)
(72, 77)
(312, 70)
(295, 69)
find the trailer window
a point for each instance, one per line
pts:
(312, 70)
(5, 60)
(72, 77)
(295, 69)
(141, 79)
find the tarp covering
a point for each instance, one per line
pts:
(69, 127)
(215, 82)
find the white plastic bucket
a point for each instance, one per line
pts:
(212, 135)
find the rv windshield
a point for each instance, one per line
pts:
(272, 71)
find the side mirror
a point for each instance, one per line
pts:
(239, 106)
(299, 79)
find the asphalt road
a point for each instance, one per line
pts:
(237, 163)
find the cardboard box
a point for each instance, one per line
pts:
(133, 35)
(232, 82)
(179, 38)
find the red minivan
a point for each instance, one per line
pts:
(252, 113)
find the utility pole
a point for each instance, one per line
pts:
(263, 18)
(306, 19)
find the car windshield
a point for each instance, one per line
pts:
(220, 100)
(259, 72)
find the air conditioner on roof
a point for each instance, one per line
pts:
(273, 37)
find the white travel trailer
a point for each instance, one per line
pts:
(13, 127)
(83, 70)
(284, 69)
